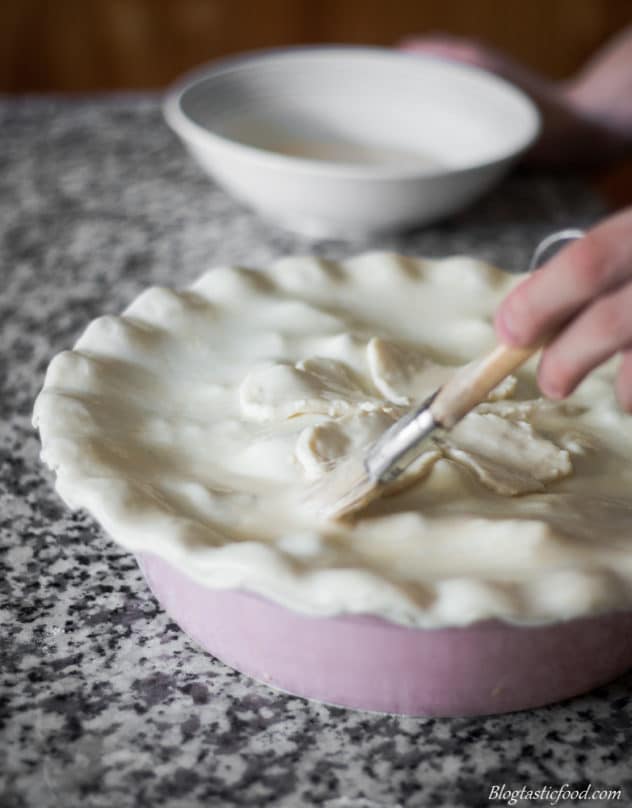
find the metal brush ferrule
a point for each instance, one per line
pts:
(399, 446)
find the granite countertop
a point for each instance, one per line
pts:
(103, 700)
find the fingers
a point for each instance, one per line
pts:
(449, 47)
(473, 52)
(624, 382)
(598, 332)
(575, 277)
(584, 296)
(571, 136)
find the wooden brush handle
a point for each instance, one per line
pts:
(471, 384)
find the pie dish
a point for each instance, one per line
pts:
(191, 427)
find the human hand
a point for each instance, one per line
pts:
(586, 291)
(586, 121)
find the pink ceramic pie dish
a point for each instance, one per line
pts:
(368, 663)
(193, 426)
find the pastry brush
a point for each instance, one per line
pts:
(359, 479)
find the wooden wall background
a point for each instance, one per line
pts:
(85, 46)
(88, 45)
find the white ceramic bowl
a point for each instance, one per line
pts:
(345, 141)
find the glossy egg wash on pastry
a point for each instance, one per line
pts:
(192, 426)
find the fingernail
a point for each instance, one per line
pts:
(551, 387)
(506, 327)
(552, 390)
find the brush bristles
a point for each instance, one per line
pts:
(347, 488)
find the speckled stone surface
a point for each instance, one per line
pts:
(103, 701)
